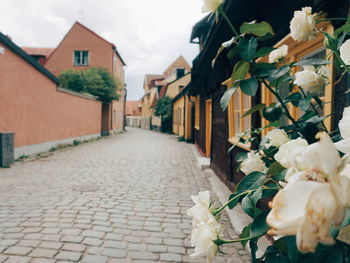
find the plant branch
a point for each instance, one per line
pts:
(289, 116)
(314, 109)
(218, 210)
(222, 12)
(220, 242)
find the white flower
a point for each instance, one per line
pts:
(277, 137)
(253, 163)
(202, 239)
(309, 80)
(306, 209)
(315, 196)
(344, 127)
(211, 5)
(345, 52)
(303, 25)
(288, 152)
(200, 211)
(278, 54)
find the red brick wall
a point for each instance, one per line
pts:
(32, 108)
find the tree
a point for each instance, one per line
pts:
(164, 108)
(95, 81)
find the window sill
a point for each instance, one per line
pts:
(244, 146)
(197, 128)
(76, 65)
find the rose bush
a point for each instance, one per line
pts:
(301, 167)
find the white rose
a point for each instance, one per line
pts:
(306, 209)
(200, 211)
(288, 152)
(211, 5)
(344, 127)
(303, 25)
(202, 239)
(278, 54)
(310, 81)
(345, 52)
(253, 163)
(277, 137)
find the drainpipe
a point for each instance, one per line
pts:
(125, 92)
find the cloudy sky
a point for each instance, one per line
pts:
(149, 34)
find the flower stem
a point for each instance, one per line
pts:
(220, 242)
(289, 116)
(314, 109)
(218, 210)
(222, 12)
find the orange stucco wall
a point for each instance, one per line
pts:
(32, 107)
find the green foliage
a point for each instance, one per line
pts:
(164, 108)
(95, 81)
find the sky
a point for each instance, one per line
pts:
(149, 34)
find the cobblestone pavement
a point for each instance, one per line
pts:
(119, 199)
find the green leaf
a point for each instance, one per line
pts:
(223, 46)
(240, 70)
(252, 181)
(259, 226)
(294, 98)
(234, 202)
(275, 169)
(226, 97)
(232, 52)
(281, 175)
(305, 103)
(258, 29)
(311, 62)
(263, 69)
(277, 73)
(240, 157)
(245, 234)
(272, 113)
(330, 42)
(258, 107)
(264, 51)
(256, 196)
(249, 86)
(247, 48)
(248, 206)
(343, 29)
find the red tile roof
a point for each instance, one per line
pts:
(152, 77)
(38, 51)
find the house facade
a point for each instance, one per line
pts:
(133, 113)
(157, 86)
(215, 130)
(81, 49)
(33, 107)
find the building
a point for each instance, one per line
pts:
(38, 53)
(215, 130)
(183, 115)
(33, 107)
(157, 86)
(133, 113)
(80, 49)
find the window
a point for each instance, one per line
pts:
(302, 51)
(81, 58)
(180, 72)
(238, 105)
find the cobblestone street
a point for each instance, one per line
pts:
(119, 199)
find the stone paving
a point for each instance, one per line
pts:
(119, 199)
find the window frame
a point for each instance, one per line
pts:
(296, 51)
(231, 112)
(81, 54)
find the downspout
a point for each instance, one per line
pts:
(126, 92)
(184, 118)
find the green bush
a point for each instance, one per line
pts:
(95, 81)
(164, 108)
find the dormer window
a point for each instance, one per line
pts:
(81, 58)
(180, 72)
